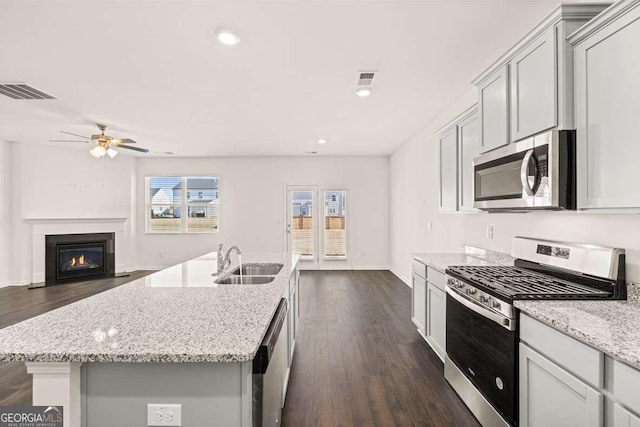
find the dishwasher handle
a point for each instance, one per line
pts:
(263, 356)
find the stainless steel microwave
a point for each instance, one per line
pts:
(536, 173)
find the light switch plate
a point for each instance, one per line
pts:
(490, 232)
(164, 415)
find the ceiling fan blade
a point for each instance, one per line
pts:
(67, 140)
(75, 134)
(123, 141)
(142, 150)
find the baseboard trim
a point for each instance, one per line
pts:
(373, 267)
(393, 270)
(23, 283)
(148, 267)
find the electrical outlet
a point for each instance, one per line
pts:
(164, 414)
(429, 226)
(490, 232)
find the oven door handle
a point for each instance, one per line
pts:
(524, 173)
(503, 321)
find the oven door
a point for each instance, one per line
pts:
(484, 350)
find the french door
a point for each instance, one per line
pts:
(316, 225)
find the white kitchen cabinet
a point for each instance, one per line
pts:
(448, 149)
(529, 89)
(533, 88)
(436, 319)
(468, 149)
(622, 417)
(419, 302)
(607, 91)
(551, 396)
(493, 101)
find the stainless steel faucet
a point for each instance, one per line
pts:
(224, 263)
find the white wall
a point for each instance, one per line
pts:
(414, 202)
(5, 213)
(252, 203)
(56, 182)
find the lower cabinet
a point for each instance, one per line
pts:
(293, 300)
(419, 302)
(552, 396)
(624, 418)
(436, 319)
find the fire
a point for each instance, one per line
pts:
(79, 262)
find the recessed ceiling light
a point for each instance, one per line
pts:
(363, 91)
(322, 141)
(227, 37)
(312, 152)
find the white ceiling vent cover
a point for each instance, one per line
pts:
(22, 91)
(366, 77)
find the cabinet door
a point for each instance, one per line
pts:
(607, 105)
(436, 319)
(448, 144)
(551, 396)
(493, 101)
(534, 102)
(419, 303)
(624, 418)
(469, 147)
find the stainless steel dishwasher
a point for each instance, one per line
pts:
(269, 367)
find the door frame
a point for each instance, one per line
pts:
(319, 261)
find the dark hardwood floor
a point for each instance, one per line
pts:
(18, 303)
(360, 361)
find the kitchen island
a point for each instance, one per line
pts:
(172, 337)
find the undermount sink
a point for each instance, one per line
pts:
(258, 269)
(245, 280)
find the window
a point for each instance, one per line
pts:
(171, 207)
(335, 227)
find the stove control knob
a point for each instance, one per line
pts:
(485, 299)
(496, 304)
(471, 291)
(459, 285)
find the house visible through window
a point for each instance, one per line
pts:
(172, 209)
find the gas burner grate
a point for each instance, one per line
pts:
(518, 282)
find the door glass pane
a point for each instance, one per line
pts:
(302, 223)
(335, 230)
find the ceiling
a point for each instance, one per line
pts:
(154, 72)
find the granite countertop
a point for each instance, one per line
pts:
(471, 256)
(609, 326)
(174, 315)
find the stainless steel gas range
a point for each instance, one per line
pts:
(482, 323)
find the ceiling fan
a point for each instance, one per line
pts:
(106, 144)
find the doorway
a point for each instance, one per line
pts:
(316, 225)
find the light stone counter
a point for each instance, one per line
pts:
(471, 256)
(609, 326)
(174, 315)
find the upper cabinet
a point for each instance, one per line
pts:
(468, 149)
(493, 98)
(533, 83)
(448, 148)
(458, 144)
(607, 93)
(530, 88)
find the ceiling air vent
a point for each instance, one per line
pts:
(22, 91)
(365, 78)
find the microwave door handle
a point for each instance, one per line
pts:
(524, 173)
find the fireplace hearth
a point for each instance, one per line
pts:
(75, 257)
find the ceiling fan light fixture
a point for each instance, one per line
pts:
(111, 152)
(227, 36)
(98, 151)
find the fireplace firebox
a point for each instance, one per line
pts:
(74, 257)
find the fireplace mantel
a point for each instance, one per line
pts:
(42, 227)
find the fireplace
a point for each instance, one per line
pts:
(74, 257)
